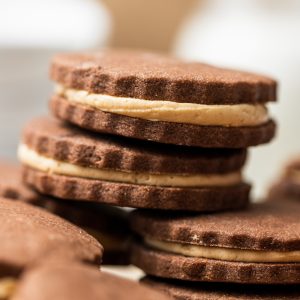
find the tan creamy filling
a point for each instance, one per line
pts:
(7, 287)
(33, 159)
(169, 111)
(227, 254)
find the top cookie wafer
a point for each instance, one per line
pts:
(155, 97)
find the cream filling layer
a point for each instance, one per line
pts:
(190, 113)
(7, 287)
(45, 164)
(226, 254)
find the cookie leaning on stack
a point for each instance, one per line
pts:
(154, 97)
(29, 234)
(109, 225)
(69, 163)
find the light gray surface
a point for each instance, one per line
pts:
(24, 92)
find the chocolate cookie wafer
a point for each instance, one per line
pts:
(154, 97)
(29, 234)
(109, 225)
(259, 245)
(182, 290)
(65, 162)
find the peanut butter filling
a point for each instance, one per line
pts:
(190, 113)
(39, 162)
(225, 254)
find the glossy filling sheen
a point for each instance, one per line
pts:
(42, 163)
(226, 254)
(236, 115)
(7, 287)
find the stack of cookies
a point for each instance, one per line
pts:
(168, 137)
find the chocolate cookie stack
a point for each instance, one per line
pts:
(153, 132)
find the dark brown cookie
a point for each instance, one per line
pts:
(156, 77)
(11, 185)
(182, 290)
(139, 196)
(77, 282)
(147, 76)
(168, 265)
(256, 230)
(29, 234)
(51, 139)
(162, 132)
(60, 141)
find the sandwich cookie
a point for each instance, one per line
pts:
(259, 245)
(77, 282)
(11, 185)
(182, 290)
(159, 98)
(29, 234)
(66, 162)
(109, 225)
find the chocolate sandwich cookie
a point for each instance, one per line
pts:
(77, 282)
(182, 290)
(259, 245)
(11, 185)
(288, 186)
(109, 225)
(29, 234)
(159, 98)
(68, 163)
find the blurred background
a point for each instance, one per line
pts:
(256, 35)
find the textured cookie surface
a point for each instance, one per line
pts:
(157, 77)
(168, 265)
(59, 141)
(162, 132)
(29, 234)
(53, 139)
(181, 290)
(256, 228)
(11, 185)
(77, 282)
(139, 196)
